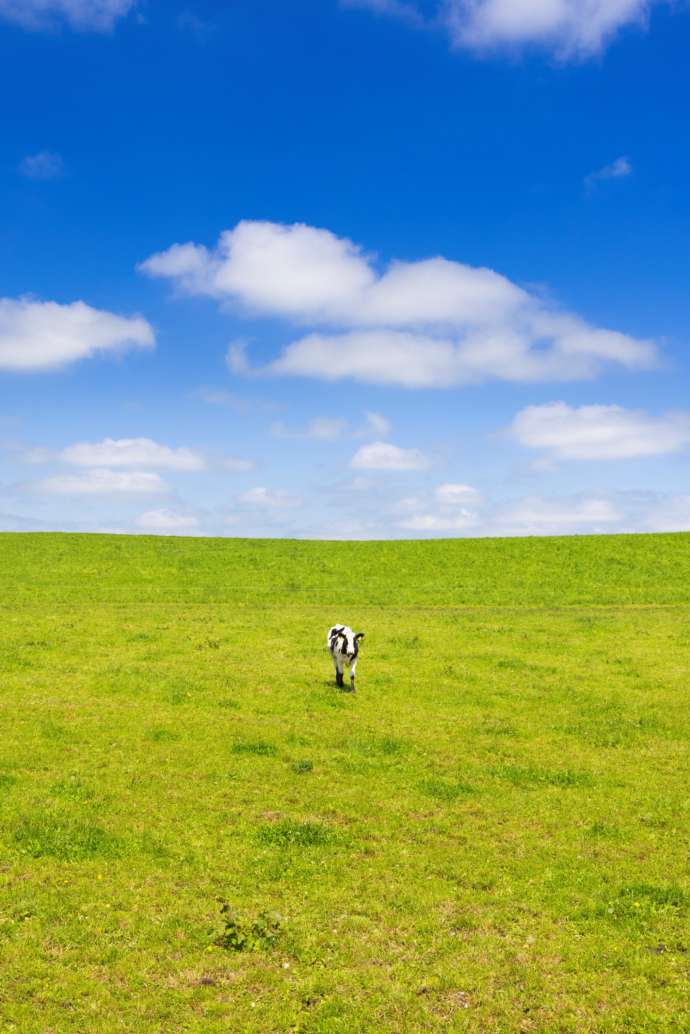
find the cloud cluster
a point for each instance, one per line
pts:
(38, 335)
(433, 323)
(384, 456)
(452, 509)
(122, 467)
(83, 15)
(569, 29)
(461, 510)
(132, 452)
(599, 432)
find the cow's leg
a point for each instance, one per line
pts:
(352, 675)
(338, 670)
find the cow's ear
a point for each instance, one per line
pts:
(360, 635)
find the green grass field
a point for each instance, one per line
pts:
(200, 833)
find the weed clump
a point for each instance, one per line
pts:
(158, 734)
(258, 747)
(641, 902)
(243, 935)
(296, 834)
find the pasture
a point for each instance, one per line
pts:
(200, 833)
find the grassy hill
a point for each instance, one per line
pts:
(199, 833)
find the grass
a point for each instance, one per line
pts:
(199, 833)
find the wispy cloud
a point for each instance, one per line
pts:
(190, 22)
(45, 165)
(239, 403)
(615, 171)
(104, 482)
(166, 522)
(434, 323)
(264, 498)
(568, 29)
(325, 428)
(83, 15)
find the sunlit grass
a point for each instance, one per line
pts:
(199, 833)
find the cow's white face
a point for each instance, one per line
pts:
(350, 643)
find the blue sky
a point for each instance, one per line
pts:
(344, 268)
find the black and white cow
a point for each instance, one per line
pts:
(344, 647)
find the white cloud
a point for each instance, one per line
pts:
(45, 335)
(384, 456)
(310, 275)
(413, 360)
(46, 165)
(569, 29)
(615, 171)
(599, 432)
(104, 482)
(264, 498)
(271, 268)
(132, 452)
(166, 520)
(462, 521)
(433, 323)
(83, 15)
(457, 495)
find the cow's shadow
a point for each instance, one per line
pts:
(331, 684)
